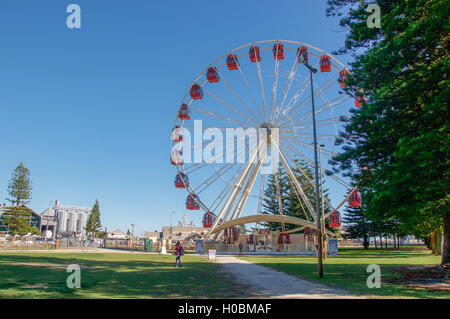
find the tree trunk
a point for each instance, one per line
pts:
(375, 242)
(386, 241)
(365, 243)
(393, 236)
(446, 242)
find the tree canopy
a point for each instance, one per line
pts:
(402, 132)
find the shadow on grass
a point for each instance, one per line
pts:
(127, 276)
(349, 271)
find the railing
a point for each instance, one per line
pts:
(294, 248)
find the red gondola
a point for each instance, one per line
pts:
(254, 54)
(192, 202)
(208, 219)
(177, 134)
(302, 55)
(335, 220)
(196, 92)
(278, 51)
(179, 180)
(325, 64)
(354, 199)
(176, 157)
(232, 62)
(310, 233)
(343, 76)
(184, 113)
(360, 99)
(211, 75)
(284, 238)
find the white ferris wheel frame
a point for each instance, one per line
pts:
(243, 183)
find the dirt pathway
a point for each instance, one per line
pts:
(269, 283)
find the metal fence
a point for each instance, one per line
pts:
(302, 248)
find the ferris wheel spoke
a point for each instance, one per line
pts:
(255, 119)
(325, 107)
(228, 186)
(294, 179)
(261, 193)
(219, 116)
(244, 79)
(297, 95)
(274, 89)
(317, 93)
(306, 175)
(294, 118)
(214, 177)
(287, 86)
(230, 107)
(261, 85)
(307, 146)
(311, 162)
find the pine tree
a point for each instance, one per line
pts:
(271, 198)
(17, 216)
(20, 186)
(357, 225)
(94, 225)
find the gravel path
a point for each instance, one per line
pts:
(269, 283)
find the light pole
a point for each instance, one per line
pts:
(324, 241)
(316, 173)
(46, 220)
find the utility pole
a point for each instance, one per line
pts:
(316, 174)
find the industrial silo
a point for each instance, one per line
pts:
(62, 221)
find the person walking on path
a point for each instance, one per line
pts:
(240, 249)
(179, 251)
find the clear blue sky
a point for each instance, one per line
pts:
(89, 111)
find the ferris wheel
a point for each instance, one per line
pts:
(265, 86)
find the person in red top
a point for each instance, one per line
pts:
(179, 251)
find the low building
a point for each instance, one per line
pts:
(34, 219)
(153, 235)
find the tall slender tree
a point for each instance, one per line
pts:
(94, 226)
(20, 186)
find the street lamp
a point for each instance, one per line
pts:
(316, 173)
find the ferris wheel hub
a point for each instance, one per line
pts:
(269, 126)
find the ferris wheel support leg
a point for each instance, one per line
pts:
(236, 187)
(295, 181)
(248, 187)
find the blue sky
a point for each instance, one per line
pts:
(89, 111)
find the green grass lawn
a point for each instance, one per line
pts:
(111, 275)
(348, 270)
